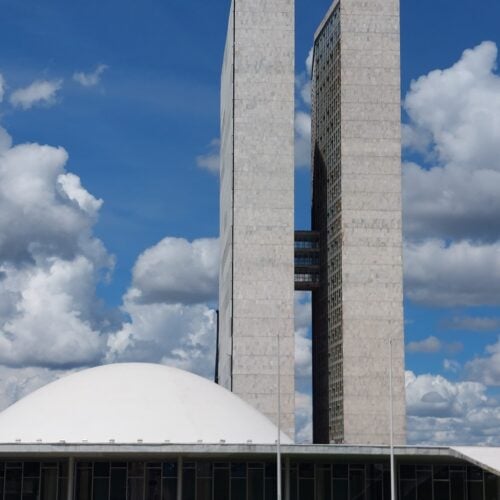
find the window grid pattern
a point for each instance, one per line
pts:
(213, 480)
(327, 199)
(447, 482)
(126, 480)
(33, 480)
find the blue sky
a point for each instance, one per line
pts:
(136, 138)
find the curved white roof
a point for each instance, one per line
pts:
(134, 402)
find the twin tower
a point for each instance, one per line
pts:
(351, 259)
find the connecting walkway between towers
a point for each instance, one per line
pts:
(307, 260)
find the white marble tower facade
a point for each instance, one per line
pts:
(256, 291)
(357, 210)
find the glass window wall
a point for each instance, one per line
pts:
(214, 480)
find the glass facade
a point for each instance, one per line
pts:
(326, 219)
(447, 482)
(33, 480)
(218, 480)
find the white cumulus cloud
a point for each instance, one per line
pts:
(39, 92)
(441, 412)
(2, 87)
(211, 160)
(303, 418)
(90, 79)
(50, 262)
(177, 271)
(303, 342)
(432, 345)
(451, 205)
(457, 274)
(486, 369)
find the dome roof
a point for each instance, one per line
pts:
(134, 402)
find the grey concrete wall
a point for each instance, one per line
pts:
(371, 220)
(258, 248)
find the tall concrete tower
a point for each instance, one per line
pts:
(256, 207)
(356, 215)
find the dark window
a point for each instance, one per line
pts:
(49, 484)
(492, 486)
(135, 488)
(30, 488)
(13, 480)
(306, 470)
(170, 469)
(169, 489)
(118, 484)
(101, 469)
(474, 473)
(255, 484)
(340, 471)
(424, 484)
(136, 469)
(306, 488)
(442, 490)
(32, 469)
(63, 488)
(323, 482)
(357, 484)
(238, 489)
(341, 489)
(475, 490)
(84, 484)
(188, 484)
(153, 484)
(457, 485)
(408, 490)
(204, 481)
(441, 472)
(238, 470)
(221, 484)
(293, 484)
(101, 488)
(407, 472)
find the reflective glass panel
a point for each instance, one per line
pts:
(30, 488)
(49, 484)
(101, 488)
(255, 484)
(135, 489)
(340, 489)
(424, 485)
(189, 484)
(13, 484)
(356, 484)
(118, 484)
(221, 484)
(442, 490)
(153, 484)
(457, 485)
(238, 489)
(204, 488)
(323, 482)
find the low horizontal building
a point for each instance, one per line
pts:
(139, 431)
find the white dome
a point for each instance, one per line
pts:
(134, 402)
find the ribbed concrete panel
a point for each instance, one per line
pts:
(258, 236)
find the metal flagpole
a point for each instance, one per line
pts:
(391, 419)
(278, 441)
